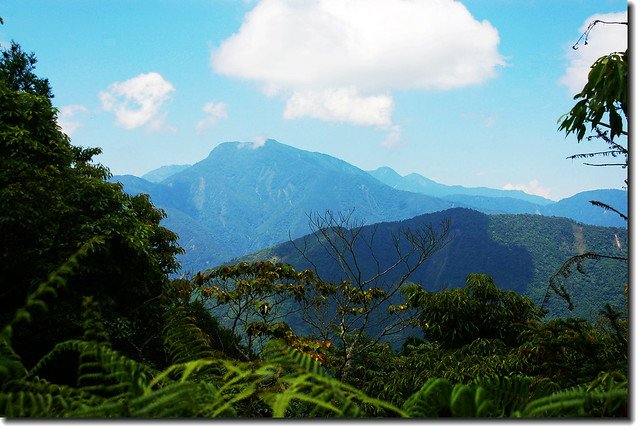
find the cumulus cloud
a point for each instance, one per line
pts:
(338, 61)
(603, 39)
(342, 104)
(533, 187)
(139, 101)
(215, 112)
(67, 118)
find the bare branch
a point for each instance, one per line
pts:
(555, 282)
(585, 35)
(609, 208)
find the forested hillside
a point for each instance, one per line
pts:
(520, 252)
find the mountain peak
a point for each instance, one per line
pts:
(385, 171)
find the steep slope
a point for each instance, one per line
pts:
(250, 197)
(521, 252)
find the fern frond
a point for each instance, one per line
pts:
(184, 341)
(511, 394)
(11, 366)
(183, 399)
(102, 371)
(93, 327)
(432, 400)
(304, 388)
(580, 402)
(278, 352)
(43, 399)
(28, 404)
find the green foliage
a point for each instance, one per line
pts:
(183, 340)
(572, 351)
(485, 397)
(517, 397)
(253, 298)
(16, 69)
(604, 95)
(479, 310)
(606, 396)
(53, 200)
(108, 384)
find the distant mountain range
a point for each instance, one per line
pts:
(521, 253)
(419, 184)
(489, 200)
(241, 199)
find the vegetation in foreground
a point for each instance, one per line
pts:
(93, 327)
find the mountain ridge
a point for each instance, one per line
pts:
(417, 183)
(252, 197)
(521, 252)
(243, 197)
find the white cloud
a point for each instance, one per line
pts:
(394, 137)
(138, 101)
(256, 142)
(533, 187)
(259, 142)
(215, 112)
(342, 104)
(67, 118)
(338, 61)
(603, 39)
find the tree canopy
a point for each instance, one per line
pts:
(53, 199)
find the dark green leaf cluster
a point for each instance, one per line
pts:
(604, 95)
(479, 310)
(16, 70)
(53, 201)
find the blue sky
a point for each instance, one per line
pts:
(463, 92)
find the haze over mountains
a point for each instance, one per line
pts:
(243, 198)
(490, 200)
(419, 184)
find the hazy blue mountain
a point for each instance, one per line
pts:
(243, 198)
(419, 184)
(521, 252)
(163, 172)
(248, 198)
(494, 201)
(578, 207)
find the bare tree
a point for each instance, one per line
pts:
(366, 307)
